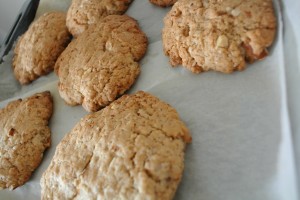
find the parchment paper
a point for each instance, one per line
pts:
(241, 145)
(292, 65)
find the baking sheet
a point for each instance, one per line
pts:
(8, 15)
(241, 147)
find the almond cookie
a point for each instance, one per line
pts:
(218, 35)
(83, 13)
(37, 50)
(24, 136)
(163, 3)
(101, 63)
(132, 149)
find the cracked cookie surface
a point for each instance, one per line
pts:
(39, 47)
(218, 35)
(163, 3)
(24, 136)
(132, 149)
(83, 13)
(101, 63)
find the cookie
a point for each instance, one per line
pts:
(163, 3)
(132, 149)
(24, 136)
(39, 47)
(218, 35)
(83, 13)
(101, 63)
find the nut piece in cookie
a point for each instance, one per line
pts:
(132, 149)
(83, 13)
(101, 63)
(39, 47)
(24, 136)
(163, 3)
(218, 35)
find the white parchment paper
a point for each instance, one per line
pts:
(241, 145)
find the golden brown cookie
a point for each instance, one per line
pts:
(37, 50)
(83, 13)
(218, 35)
(101, 63)
(132, 149)
(24, 136)
(163, 3)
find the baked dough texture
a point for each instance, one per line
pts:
(83, 13)
(24, 136)
(39, 47)
(218, 35)
(101, 63)
(163, 3)
(132, 149)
